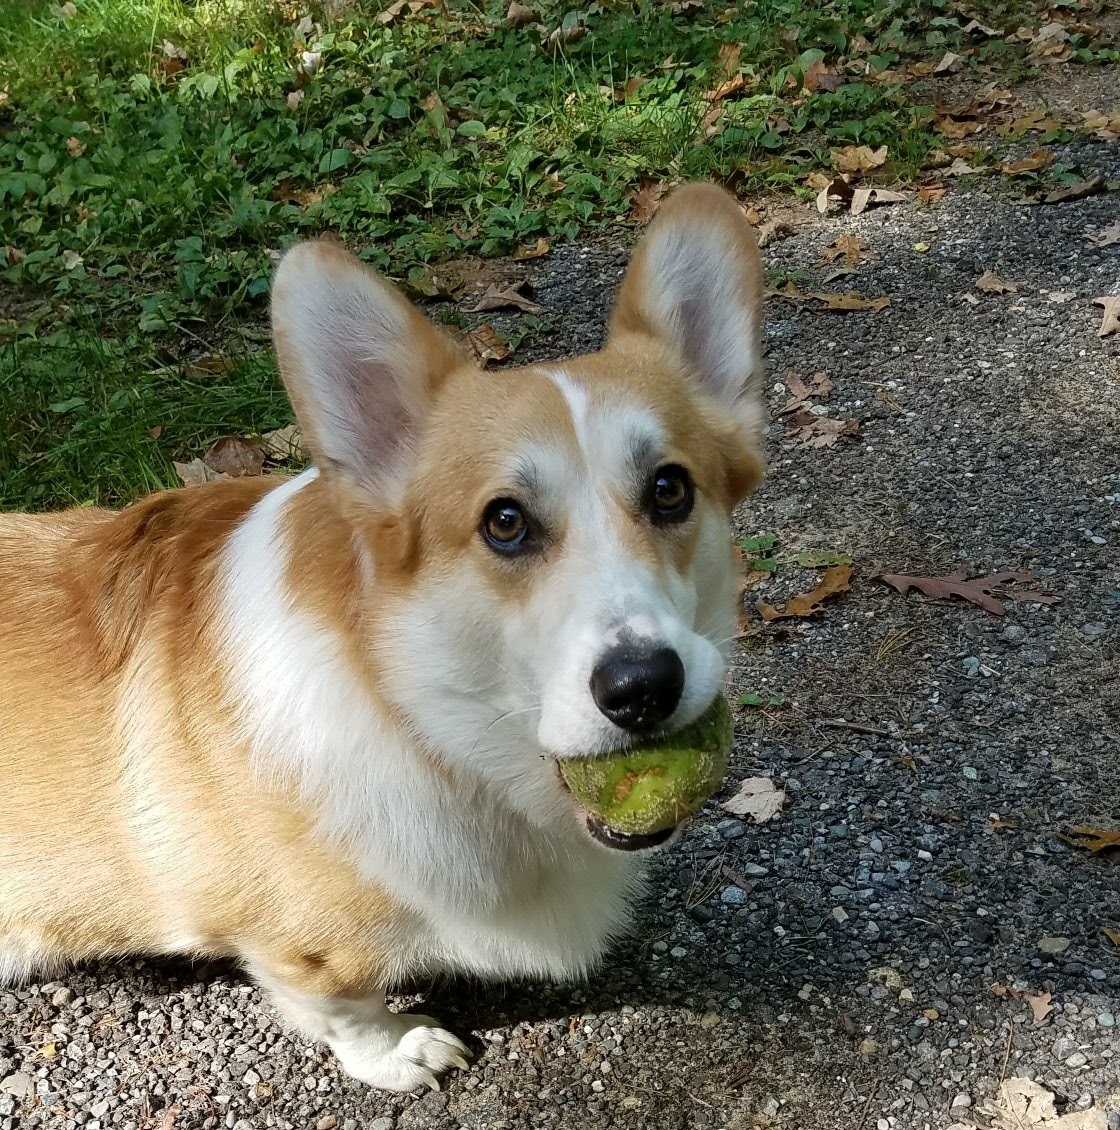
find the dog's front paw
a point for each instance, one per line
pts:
(422, 1053)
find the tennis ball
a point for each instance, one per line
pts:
(652, 787)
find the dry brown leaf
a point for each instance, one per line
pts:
(852, 248)
(862, 197)
(1106, 237)
(858, 158)
(1110, 323)
(1024, 1103)
(1071, 192)
(931, 193)
(169, 1116)
(1040, 1005)
(725, 72)
(285, 443)
(833, 187)
(1104, 126)
(852, 300)
(995, 824)
(990, 283)
(817, 77)
(757, 800)
(1112, 935)
(13, 256)
(948, 63)
(1039, 159)
(799, 390)
(1095, 839)
(195, 473)
(983, 29)
(484, 344)
(518, 15)
(961, 168)
(75, 147)
(156, 432)
(646, 199)
(235, 457)
(1037, 120)
(294, 99)
(543, 247)
(956, 128)
(978, 590)
(210, 365)
(772, 230)
(497, 298)
(834, 582)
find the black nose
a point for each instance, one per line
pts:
(638, 691)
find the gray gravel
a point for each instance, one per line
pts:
(832, 969)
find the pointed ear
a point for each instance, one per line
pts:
(695, 286)
(360, 363)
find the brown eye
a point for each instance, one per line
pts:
(504, 525)
(671, 494)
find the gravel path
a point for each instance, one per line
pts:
(833, 969)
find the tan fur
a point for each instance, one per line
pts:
(134, 820)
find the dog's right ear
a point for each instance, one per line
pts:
(360, 363)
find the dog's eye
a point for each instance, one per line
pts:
(671, 494)
(504, 525)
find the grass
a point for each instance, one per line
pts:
(156, 154)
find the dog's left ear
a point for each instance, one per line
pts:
(695, 286)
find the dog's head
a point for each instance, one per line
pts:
(548, 560)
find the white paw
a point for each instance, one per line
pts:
(423, 1051)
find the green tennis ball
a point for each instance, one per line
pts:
(652, 787)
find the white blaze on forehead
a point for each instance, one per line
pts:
(610, 434)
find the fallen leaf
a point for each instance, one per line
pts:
(1112, 935)
(862, 197)
(75, 147)
(169, 1116)
(234, 457)
(209, 365)
(284, 444)
(996, 823)
(13, 256)
(1106, 237)
(725, 72)
(948, 63)
(817, 77)
(49, 1051)
(852, 249)
(758, 800)
(1039, 159)
(957, 128)
(496, 298)
(961, 168)
(1024, 1103)
(834, 187)
(1110, 323)
(542, 248)
(816, 432)
(294, 99)
(1040, 1005)
(646, 199)
(170, 51)
(799, 390)
(1036, 120)
(983, 29)
(1071, 192)
(858, 158)
(1104, 126)
(484, 343)
(931, 193)
(990, 283)
(851, 300)
(156, 432)
(71, 260)
(978, 590)
(195, 473)
(518, 15)
(773, 229)
(1095, 839)
(834, 582)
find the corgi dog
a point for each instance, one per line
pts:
(313, 723)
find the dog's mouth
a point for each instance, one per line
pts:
(603, 833)
(623, 841)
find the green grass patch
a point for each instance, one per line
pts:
(156, 154)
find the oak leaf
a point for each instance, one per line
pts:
(1110, 323)
(835, 581)
(977, 590)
